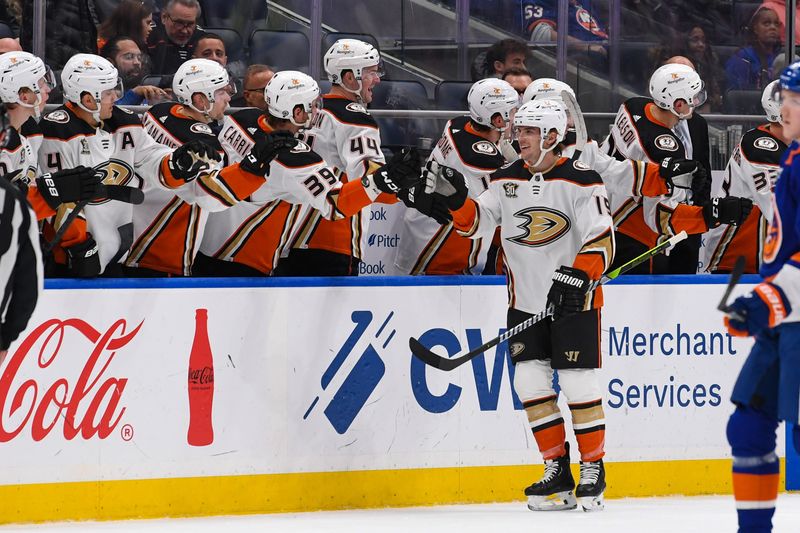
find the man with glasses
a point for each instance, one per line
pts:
(255, 80)
(174, 41)
(124, 53)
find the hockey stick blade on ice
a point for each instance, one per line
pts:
(736, 274)
(443, 363)
(577, 118)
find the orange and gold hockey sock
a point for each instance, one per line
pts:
(589, 424)
(547, 426)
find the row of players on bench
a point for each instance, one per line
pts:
(290, 199)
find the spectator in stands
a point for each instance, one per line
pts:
(70, 28)
(500, 56)
(779, 7)
(10, 13)
(173, 41)
(211, 46)
(133, 18)
(518, 78)
(541, 20)
(255, 79)
(751, 68)
(692, 44)
(126, 55)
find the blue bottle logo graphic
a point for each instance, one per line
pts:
(363, 378)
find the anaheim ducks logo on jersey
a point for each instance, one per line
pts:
(765, 143)
(666, 142)
(115, 172)
(541, 226)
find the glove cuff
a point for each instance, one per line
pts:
(48, 191)
(775, 300)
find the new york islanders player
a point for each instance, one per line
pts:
(90, 130)
(557, 236)
(347, 137)
(301, 177)
(751, 173)
(25, 84)
(469, 145)
(653, 129)
(768, 385)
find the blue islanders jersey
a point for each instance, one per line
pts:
(782, 247)
(582, 25)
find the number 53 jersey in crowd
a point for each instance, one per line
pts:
(559, 217)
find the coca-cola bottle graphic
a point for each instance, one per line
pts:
(201, 384)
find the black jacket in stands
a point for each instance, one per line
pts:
(70, 28)
(166, 56)
(20, 263)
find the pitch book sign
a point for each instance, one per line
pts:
(310, 379)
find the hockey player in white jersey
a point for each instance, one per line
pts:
(347, 137)
(168, 229)
(469, 145)
(557, 236)
(300, 176)
(751, 173)
(90, 130)
(653, 129)
(25, 85)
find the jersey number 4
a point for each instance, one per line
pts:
(357, 146)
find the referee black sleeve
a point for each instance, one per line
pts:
(24, 283)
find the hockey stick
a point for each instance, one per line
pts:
(442, 363)
(577, 118)
(736, 274)
(120, 193)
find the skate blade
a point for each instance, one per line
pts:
(592, 503)
(560, 501)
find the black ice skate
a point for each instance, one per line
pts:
(591, 486)
(554, 492)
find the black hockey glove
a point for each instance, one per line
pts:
(191, 158)
(84, 259)
(450, 183)
(567, 294)
(265, 150)
(403, 171)
(677, 172)
(431, 205)
(729, 210)
(701, 187)
(69, 186)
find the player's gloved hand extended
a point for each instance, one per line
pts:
(189, 159)
(764, 307)
(84, 259)
(729, 210)
(567, 294)
(69, 186)
(401, 172)
(265, 150)
(678, 172)
(433, 205)
(447, 182)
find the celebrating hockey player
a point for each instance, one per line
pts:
(90, 130)
(469, 145)
(751, 173)
(557, 237)
(347, 137)
(654, 129)
(768, 385)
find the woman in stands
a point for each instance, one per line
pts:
(751, 68)
(133, 18)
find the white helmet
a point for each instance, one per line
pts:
(490, 96)
(546, 115)
(288, 89)
(22, 70)
(548, 88)
(353, 55)
(89, 73)
(772, 107)
(672, 82)
(200, 76)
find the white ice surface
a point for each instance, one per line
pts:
(710, 514)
